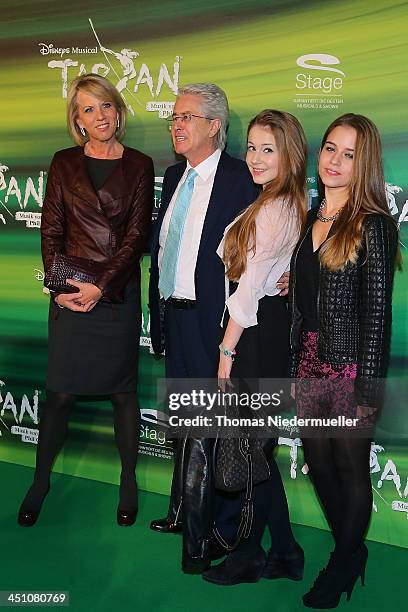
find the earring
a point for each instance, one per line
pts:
(117, 123)
(82, 130)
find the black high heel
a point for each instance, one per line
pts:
(126, 517)
(335, 580)
(28, 517)
(357, 569)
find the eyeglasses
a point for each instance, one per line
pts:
(184, 118)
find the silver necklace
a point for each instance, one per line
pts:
(324, 219)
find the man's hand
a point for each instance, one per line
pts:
(283, 284)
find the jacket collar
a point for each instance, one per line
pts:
(311, 216)
(216, 207)
(114, 187)
(173, 178)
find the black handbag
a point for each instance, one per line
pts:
(68, 266)
(240, 463)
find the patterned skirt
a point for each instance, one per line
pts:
(326, 391)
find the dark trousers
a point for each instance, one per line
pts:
(192, 497)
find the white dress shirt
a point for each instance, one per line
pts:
(277, 232)
(190, 241)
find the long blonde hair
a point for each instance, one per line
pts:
(290, 185)
(366, 193)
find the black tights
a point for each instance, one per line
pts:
(126, 419)
(53, 431)
(339, 468)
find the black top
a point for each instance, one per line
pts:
(99, 170)
(307, 283)
(357, 327)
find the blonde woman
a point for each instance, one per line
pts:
(97, 206)
(256, 250)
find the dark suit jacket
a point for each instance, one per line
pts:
(110, 226)
(233, 190)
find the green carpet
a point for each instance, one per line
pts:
(76, 546)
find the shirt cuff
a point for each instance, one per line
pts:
(243, 319)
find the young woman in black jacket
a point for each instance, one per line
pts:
(340, 293)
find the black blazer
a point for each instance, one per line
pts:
(233, 190)
(354, 307)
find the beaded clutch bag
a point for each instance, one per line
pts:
(68, 266)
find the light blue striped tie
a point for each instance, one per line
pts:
(168, 267)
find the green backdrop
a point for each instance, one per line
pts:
(317, 60)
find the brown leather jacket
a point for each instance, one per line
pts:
(109, 226)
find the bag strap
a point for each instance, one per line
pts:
(247, 512)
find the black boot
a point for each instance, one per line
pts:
(172, 522)
(290, 565)
(165, 525)
(198, 562)
(237, 568)
(336, 579)
(197, 505)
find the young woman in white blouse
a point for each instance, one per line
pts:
(256, 250)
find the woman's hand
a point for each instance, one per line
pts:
(231, 338)
(365, 411)
(88, 296)
(283, 284)
(224, 372)
(72, 301)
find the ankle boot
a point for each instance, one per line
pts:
(237, 568)
(289, 565)
(336, 579)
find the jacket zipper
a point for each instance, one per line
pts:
(110, 242)
(318, 297)
(294, 286)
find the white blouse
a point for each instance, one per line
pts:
(277, 232)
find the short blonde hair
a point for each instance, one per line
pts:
(100, 88)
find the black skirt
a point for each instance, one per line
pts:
(95, 353)
(263, 349)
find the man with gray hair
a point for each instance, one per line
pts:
(200, 197)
